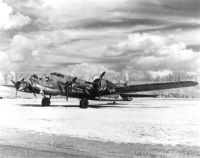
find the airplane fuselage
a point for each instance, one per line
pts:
(50, 85)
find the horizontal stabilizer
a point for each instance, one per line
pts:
(155, 86)
(107, 99)
(12, 86)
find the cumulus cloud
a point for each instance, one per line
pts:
(20, 54)
(21, 49)
(90, 71)
(4, 60)
(144, 44)
(10, 20)
(153, 52)
(57, 32)
(160, 74)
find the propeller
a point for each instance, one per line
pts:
(67, 86)
(97, 83)
(17, 85)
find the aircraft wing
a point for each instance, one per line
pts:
(155, 86)
(12, 86)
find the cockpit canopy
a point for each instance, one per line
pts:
(34, 78)
(57, 74)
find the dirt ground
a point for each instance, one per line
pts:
(20, 144)
(143, 129)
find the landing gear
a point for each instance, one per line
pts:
(46, 101)
(84, 103)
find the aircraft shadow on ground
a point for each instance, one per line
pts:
(97, 106)
(108, 105)
(131, 106)
(39, 105)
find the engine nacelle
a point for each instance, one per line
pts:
(104, 85)
(101, 85)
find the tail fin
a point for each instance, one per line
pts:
(126, 78)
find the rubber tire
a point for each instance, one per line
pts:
(114, 102)
(46, 102)
(84, 103)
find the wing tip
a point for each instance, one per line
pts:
(195, 83)
(192, 83)
(188, 83)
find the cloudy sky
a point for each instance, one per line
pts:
(148, 39)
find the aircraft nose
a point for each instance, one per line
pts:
(20, 85)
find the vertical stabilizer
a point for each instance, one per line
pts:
(126, 78)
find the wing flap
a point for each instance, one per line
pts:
(155, 86)
(123, 95)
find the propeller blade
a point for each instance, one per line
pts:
(66, 86)
(74, 79)
(16, 85)
(60, 82)
(16, 93)
(101, 76)
(60, 86)
(99, 83)
(99, 94)
(67, 93)
(13, 82)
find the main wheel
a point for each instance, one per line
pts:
(84, 103)
(114, 102)
(46, 102)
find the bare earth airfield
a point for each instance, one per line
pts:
(140, 128)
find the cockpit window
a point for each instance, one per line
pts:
(57, 74)
(34, 78)
(47, 78)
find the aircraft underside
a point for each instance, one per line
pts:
(84, 103)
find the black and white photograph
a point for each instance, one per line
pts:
(99, 78)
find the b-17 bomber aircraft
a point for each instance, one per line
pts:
(54, 84)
